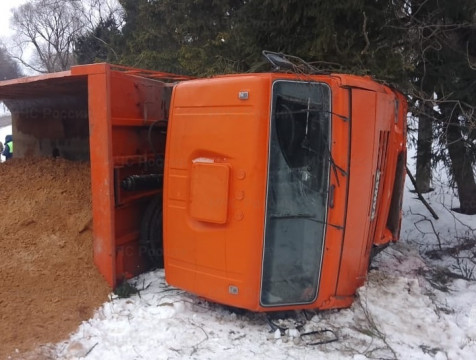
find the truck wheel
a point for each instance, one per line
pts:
(151, 238)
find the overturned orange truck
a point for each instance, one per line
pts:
(266, 191)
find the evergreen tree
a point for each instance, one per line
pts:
(99, 44)
(185, 37)
(204, 37)
(441, 38)
(426, 48)
(351, 36)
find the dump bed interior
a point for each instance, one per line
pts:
(50, 115)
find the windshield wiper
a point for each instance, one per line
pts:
(305, 216)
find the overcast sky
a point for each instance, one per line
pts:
(5, 31)
(5, 15)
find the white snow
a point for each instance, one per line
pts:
(410, 308)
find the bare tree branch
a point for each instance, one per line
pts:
(366, 35)
(46, 30)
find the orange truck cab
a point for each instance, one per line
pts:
(261, 191)
(278, 186)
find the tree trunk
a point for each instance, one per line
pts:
(423, 163)
(461, 166)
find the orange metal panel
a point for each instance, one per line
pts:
(387, 121)
(102, 174)
(209, 192)
(138, 110)
(340, 151)
(48, 83)
(361, 181)
(127, 117)
(211, 122)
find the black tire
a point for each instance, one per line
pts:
(151, 237)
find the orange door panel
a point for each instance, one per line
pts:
(217, 143)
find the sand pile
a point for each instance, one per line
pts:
(48, 282)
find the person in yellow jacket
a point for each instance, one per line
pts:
(8, 148)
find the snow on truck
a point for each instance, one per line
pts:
(264, 191)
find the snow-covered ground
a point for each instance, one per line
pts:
(419, 303)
